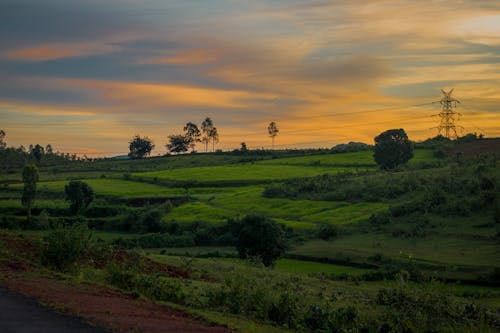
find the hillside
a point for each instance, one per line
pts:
(360, 240)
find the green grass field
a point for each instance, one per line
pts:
(251, 172)
(116, 188)
(360, 158)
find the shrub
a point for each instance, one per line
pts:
(328, 231)
(80, 195)
(259, 236)
(64, 247)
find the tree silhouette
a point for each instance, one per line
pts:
(3, 144)
(37, 151)
(178, 143)
(392, 148)
(30, 178)
(192, 133)
(273, 131)
(214, 136)
(140, 147)
(206, 128)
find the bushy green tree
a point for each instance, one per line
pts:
(392, 148)
(30, 178)
(63, 247)
(178, 144)
(80, 195)
(37, 151)
(140, 147)
(259, 236)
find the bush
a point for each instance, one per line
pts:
(80, 195)
(64, 247)
(259, 236)
(328, 231)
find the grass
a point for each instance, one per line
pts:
(309, 267)
(245, 173)
(116, 188)
(216, 207)
(360, 159)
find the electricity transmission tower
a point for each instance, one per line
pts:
(448, 115)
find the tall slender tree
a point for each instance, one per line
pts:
(30, 178)
(214, 136)
(192, 134)
(273, 131)
(206, 128)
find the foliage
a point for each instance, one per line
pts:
(272, 130)
(37, 152)
(140, 147)
(3, 144)
(192, 134)
(410, 310)
(209, 133)
(30, 178)
(206, 128)
(178, 143)
(328, 231)
(259, 236)
(243, 150)
(80, 195)
(156, 240)
(392, 148)
(65, 246)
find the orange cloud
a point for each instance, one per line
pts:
(55, 51)
(184, 57)
(164, 95)
(41, 53)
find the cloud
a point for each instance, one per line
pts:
(110, 68)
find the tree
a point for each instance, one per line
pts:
(392, 148)
(214, 136)
(37, 151)
(259, 236)
(273, 131)
(192, 133)
(80, 195)
(49, 150)
(178, 143)
(244, 148)
(30, 178)
(140, 147)
(3, 144)
(206, 128)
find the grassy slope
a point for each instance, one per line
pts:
(244, 172)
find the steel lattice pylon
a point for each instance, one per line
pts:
(448, 115)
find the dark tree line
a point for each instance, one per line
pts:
(181, 143)
(13, 159)
(140, 147)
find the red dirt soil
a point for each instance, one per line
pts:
(108, 308)
(474, 148)
(101, 306)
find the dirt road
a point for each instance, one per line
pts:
(22, 314)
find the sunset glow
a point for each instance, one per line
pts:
(86, 76)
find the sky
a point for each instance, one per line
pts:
(86, 76)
